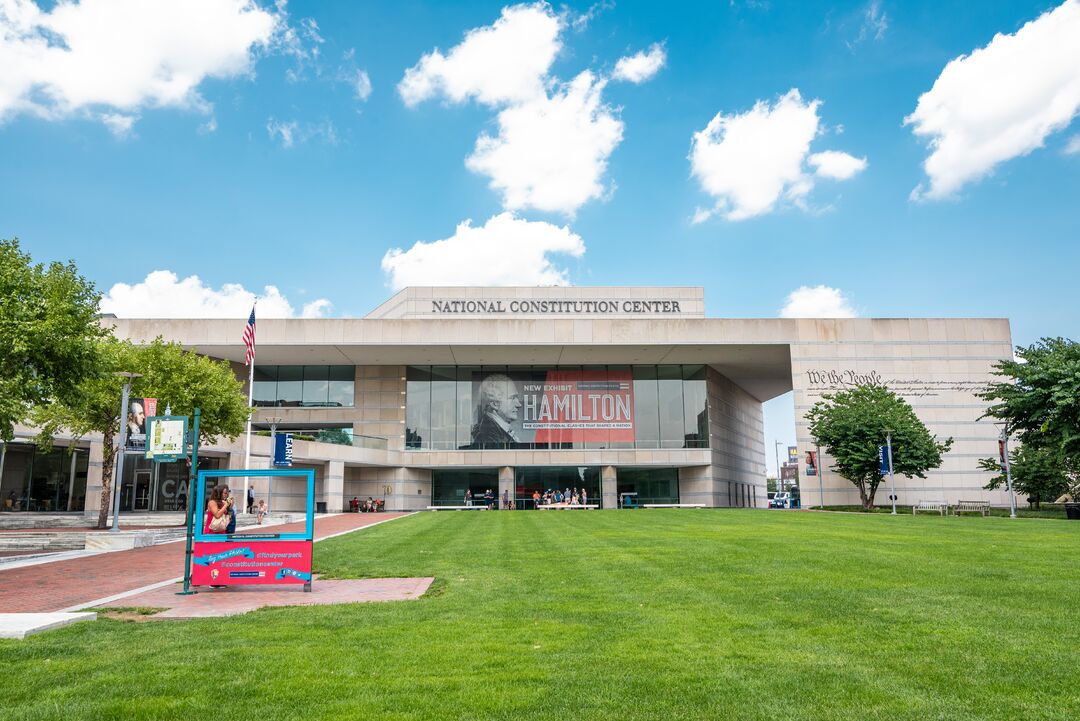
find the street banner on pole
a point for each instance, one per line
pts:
(883, 460)
(811, 463)
(283, 450)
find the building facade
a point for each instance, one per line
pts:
(440, 391)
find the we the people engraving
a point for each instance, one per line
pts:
(820, 382)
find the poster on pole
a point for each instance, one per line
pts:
(166, 438)
(283, 450)
(811, 463)
(139, 409)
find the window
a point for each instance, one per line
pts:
(539, 407)
(310, 386)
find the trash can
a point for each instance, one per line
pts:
(1072, 511)
(320, 506)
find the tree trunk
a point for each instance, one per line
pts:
(867, 501)
(870, 497)
(108, 455)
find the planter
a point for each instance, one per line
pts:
(1072, 511)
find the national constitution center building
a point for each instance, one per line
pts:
(614, 390)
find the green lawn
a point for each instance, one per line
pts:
(714, 614)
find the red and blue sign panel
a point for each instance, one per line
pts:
(253, 556)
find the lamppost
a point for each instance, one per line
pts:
(123, 447)
(892, 481)
(1003, 441)
(779, 479)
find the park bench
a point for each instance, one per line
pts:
(980, 507)
(674, 505)
(458, 508)
(569, 507)
(930, 507)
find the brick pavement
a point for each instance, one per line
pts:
(62, 584)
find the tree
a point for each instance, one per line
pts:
(49, 333)
(182, 379)
(1040, 398)
(852, 424)
(1040, 473)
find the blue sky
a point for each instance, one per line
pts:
(239, 143)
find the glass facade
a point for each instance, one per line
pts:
(448, 487)
(304, 386)
(550, 478)
(542, 407)
(652, 485)
(36, 480)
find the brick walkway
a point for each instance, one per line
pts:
(62, 584)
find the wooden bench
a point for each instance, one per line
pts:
(480, 507)
(673, 505)
(980, 507)
(568, 507)
(930, 507)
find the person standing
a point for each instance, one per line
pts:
(506, 500)
(251, 499)
(216, 507)
(489, 499)
(468, 497)
(232, 510)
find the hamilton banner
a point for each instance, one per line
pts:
(556, 406)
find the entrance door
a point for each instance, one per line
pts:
(142, 491)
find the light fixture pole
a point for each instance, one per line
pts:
(779, 480)
(1004, 438)
(118, 481)
(892, 481)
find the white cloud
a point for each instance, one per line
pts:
(110, 58)
(163, 295)
(362, 84)
(836, 165)
(506, 250)
(551, 152)
(581, 21)
(291, 132)
(874, 22)
(554, 139)
(501, 63)
(1001, 101)
(641, 66)
(751, 161)
(819, 301)
(1073, 146)
(119, 124)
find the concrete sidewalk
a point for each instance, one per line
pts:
(74, 582)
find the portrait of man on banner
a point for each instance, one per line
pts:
(498, 413)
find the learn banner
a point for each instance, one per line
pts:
(236, 562)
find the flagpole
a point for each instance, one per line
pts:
(251, 397)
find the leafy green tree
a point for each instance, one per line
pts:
(48, 334)
(176, 377)
(1039, 473)
(1040, 397)
(852, 424)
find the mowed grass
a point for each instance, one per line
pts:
(680, 614)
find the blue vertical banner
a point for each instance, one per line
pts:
(883, 457)
(283, 443)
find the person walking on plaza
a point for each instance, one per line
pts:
(468, 497)
(506, 500)
(489, 499)
(251, 499)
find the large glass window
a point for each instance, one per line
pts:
(443, 408)
(311, 386)
(342, 386)
(652, 485)
(530, 480)
(695, 413)
(290, 387)
(418, 407)
(448, 487)
(616, 406)
(34, 480)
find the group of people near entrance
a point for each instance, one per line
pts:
(221, 511)
(368, 506)
(567, 497)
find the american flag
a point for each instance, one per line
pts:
(249, 338)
